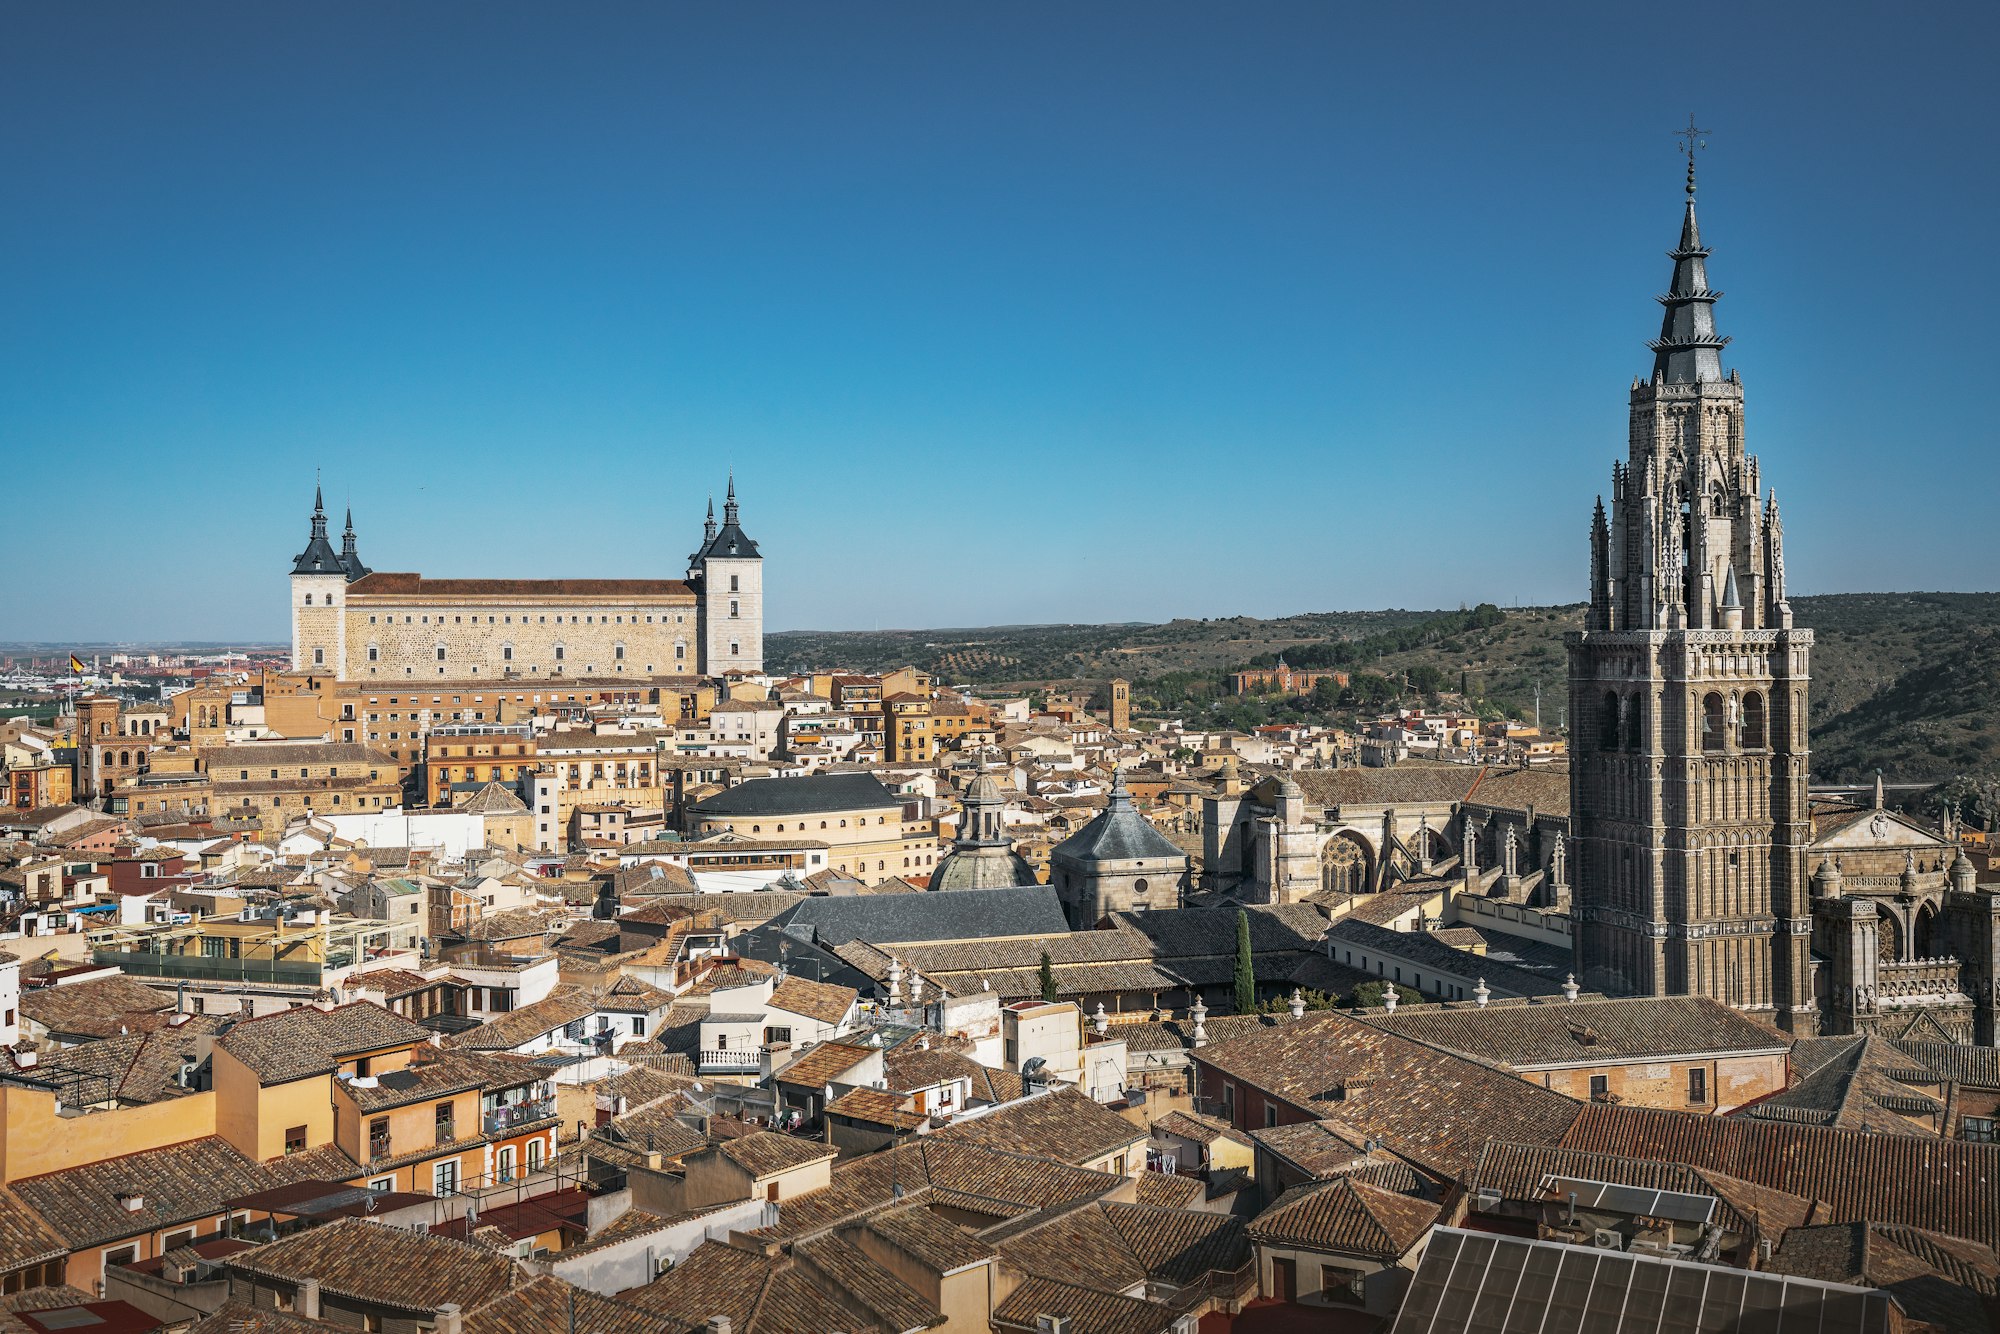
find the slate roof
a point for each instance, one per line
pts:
(297, 1044)
(1433, 1107)
(409, 585)
(1119, 833)
(371, 1262)
(1425, 951)
(1346, 1217)
(813, 795)
(1940, 1185)
(1586, 1032)
(969, 914)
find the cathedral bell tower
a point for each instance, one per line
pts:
(1688, 696)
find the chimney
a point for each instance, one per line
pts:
(718, 1324)
(307, 1300)
(450, 1318)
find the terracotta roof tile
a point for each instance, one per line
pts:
(371, 1262)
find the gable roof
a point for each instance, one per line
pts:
(1063, 1124)
(1586, 1032)
(815, 1000)
(1433, 1107)
(296, 1044)
(1348, 1217)
(966, 914)
(86, 1205)
(372, 1262)
(1940, 1185)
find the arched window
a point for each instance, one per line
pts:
(309, 599)
(1753, 722)
(1635, 723)
(124, 759)
(1711, 722)
(1926, 932)
(1608, 724)
(1890, 935)
(1343, 866)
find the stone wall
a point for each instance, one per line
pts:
(658, 636)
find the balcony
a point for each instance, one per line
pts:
(378, 1148)
(447, 1132)
(502, 1119)
(730, 1062)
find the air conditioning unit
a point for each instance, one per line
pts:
(1051, 1324)
(1486, 1200)
(1607, 1239)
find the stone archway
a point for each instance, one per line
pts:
(1889, 933)
(1345, 865)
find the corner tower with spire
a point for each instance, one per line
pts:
(727, 575)
(319, 584)
(1688, 692)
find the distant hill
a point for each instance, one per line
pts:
(1908, 682)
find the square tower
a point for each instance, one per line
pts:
(1688, 685)
(319, 613)
(728, 575)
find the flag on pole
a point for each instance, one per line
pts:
(76, 664)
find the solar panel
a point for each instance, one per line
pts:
(1633, 1201)
(68, 1317)
(1478, 1283)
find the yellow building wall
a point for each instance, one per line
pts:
(34, 1140)
(255, 1118)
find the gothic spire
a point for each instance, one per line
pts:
(729, 504)
(318, 557)
(1689, 350)
(350, 554)
(708, 528)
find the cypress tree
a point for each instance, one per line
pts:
(1048, 980)
(1246, 976)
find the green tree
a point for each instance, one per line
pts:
(1048, 980)
(1246, 976)
(1369, 995)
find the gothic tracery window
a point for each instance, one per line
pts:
(1343, 866)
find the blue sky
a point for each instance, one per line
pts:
(1000, 313)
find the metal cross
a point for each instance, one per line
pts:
(1691, 138)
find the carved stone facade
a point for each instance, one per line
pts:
(1694, 832)
(1688, 698)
